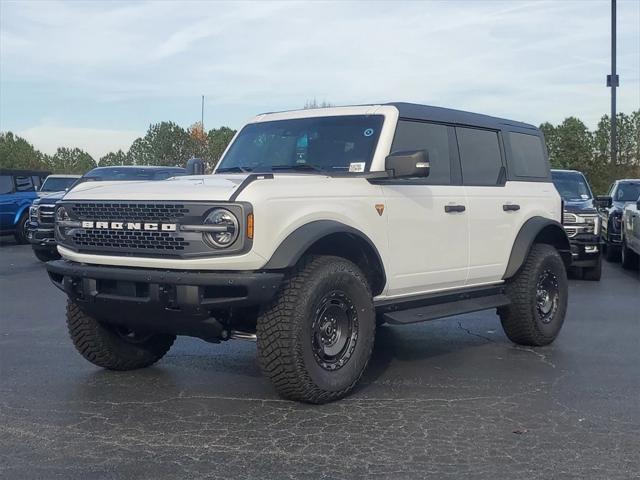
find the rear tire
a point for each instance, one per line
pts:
(21, 229)
(316, 338)
(111, 347)
(593, 273)
(629, 257)
(46, 255)
(538, 295)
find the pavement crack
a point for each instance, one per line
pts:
(541, 356)
(475, 334)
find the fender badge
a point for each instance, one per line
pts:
(380, 208)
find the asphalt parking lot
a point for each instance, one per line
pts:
(451, 398)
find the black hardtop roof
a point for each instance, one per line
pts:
(137, 167)
(449, 115)
(18, 171)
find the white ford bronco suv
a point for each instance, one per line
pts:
(315, 227)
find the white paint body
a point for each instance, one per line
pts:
(423, 248)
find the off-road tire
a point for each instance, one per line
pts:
(46, 255)
(285, 330)
(629, 258)
(594, 273)
(21, 231)
(521, 319)
(101, 344)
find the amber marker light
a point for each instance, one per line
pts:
(250, 226)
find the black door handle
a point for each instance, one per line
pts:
(454, 208)
(510, 207)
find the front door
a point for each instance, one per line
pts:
(427, 218)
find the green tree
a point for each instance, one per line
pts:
(217, 141)
(315, 104)
(72, 160)
(198, 142)
(165, 143)
(16, 152)
(114, 159)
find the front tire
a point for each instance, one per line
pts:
(316, 338)
(111, 347)
(21, 229)
(593, 274)
(538, 295)
(612, 253)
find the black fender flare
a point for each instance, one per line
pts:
(300, 240)
(530, 230)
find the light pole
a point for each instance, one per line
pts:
(613, 81)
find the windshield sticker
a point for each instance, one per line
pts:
(584, 196)
(368, 132)
(356, 167)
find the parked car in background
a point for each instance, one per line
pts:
(40, 228)
(631, 235)
(57, 183)
(581, 222)
(621, 193)
(18, 189)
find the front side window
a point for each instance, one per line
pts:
(527, 156)
(24, 184)
(6, 184)
(571, 186)
(627, 192)
(480, 156)
(338, 144)
(434, 138)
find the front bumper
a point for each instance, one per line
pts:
(169, 301)
(41, 237)
(585, 250)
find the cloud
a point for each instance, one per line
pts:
(95, 141)
(133, 64)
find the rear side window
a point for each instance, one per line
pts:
(527, 156)
(431, 137)
(480, 156)
(6, 184)
(24, 184)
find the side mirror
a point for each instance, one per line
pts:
(195, 166)
(603, 201)
(413, 163)
(638, 204)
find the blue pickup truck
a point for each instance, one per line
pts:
(18, 189)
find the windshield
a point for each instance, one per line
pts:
(571, 186)
(57, 184)
(329, 144)
(627, 192)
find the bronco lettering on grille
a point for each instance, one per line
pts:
(163, 227)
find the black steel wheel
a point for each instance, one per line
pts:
(22, 228)
(547, 296)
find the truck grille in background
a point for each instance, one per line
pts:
(135, 240)
(571, 231)
(134, 211)
(46, 212)
(570, 218)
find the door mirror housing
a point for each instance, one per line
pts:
(414, 163)
(603, 201)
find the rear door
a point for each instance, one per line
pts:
(428, 239)
(8, 204)
(493, 211)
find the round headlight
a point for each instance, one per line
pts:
(61, 216)
(229, 231)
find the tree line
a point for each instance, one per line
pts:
(165, 143)
(571, 145)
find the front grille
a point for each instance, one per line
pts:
(571, 231)
(570, 218)
(45, 212)
(137, 240)
(129, 211)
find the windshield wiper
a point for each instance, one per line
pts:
(233, 169)
(299, 166)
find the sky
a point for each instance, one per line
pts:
(96, 74)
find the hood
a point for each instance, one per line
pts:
(50, 198)
(196, 187)
(579, 206)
